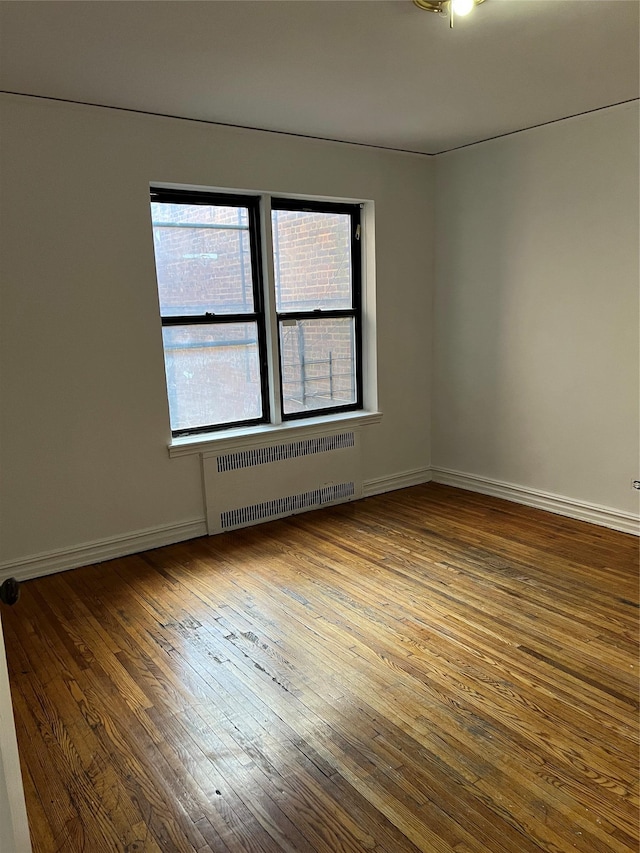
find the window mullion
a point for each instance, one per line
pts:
(271, 320)
(208, 319)
(317, 314)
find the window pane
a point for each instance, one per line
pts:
(203, 259)
(164, 212)
(312, 257)
(213, 374)
(318, 364)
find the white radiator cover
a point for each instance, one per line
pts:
(276, 479)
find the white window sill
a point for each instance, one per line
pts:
(263, 434)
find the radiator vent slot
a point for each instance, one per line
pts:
(279, 452)
(286, 505)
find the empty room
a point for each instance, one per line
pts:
(319, 426)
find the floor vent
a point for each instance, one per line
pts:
(285, 506)
(279, 452)
(248, 485)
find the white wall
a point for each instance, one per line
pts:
(535, 334)
(536, 309)
(84, 421)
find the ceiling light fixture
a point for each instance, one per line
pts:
(448, 8)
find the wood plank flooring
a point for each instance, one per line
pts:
(428, 670)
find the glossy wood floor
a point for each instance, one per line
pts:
(426, 670)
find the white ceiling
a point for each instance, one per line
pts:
(374, 72)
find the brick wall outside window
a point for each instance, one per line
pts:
(210, 270)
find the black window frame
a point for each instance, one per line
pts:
(252, 204)
(353, 210)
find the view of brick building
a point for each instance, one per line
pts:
(204, 265)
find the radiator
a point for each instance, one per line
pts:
(249, 486)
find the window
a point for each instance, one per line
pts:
(229, 359)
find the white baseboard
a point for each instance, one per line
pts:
(605, 516)
(396, 481)
(48, 562)
(37, 565)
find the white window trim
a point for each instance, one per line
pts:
(256, 435)
(226, 441)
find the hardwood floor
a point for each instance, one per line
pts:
(428, 670)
